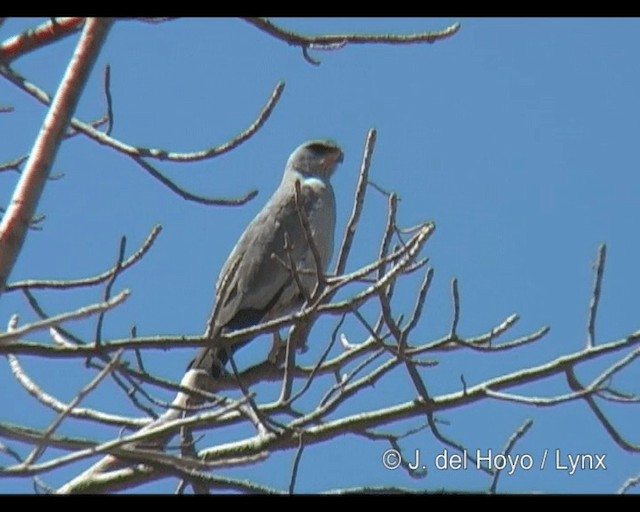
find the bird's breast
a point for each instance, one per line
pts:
(321, 212)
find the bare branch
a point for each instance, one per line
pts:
(90, 281)
(317, 400)
(124, 448)
(538, 401)
(296, 464)
(38, 37)
(318, 365)
(81, 413)
(335, 42)
(25, 199)
(259, 420)
(7, 338)
(575, 385)
(155, 153)
(188, 196)
(39, 450)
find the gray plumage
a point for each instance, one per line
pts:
(254, 284)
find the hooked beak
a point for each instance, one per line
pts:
(334, 158)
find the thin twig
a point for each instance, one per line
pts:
(14, 165)
(188, 196)
(421, 388)
(595, 296)
(629, 484)
(358, 203)
(308, 236)
(513, 439)
(259, 420)
(601, 417)
(154, 153)
(455, 298)
(64, 317)
(384, 192)
(81, 413)
(296, 463)
(292, 268)
(39, 450)
(417, 309)
(108, 98)
(314, 371)
(117, 268)
(297, 334)
(124, 447)
(392, 210)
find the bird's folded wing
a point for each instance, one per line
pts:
(256, 280)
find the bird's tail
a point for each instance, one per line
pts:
(211, 359)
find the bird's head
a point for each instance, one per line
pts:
(316, 158)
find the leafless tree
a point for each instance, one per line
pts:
(288, 405)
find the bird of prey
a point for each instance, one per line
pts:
(256, 282)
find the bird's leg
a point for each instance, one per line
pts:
(277, 352)
(302, 346)
(278, 349)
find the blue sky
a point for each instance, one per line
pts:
(517, 137)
